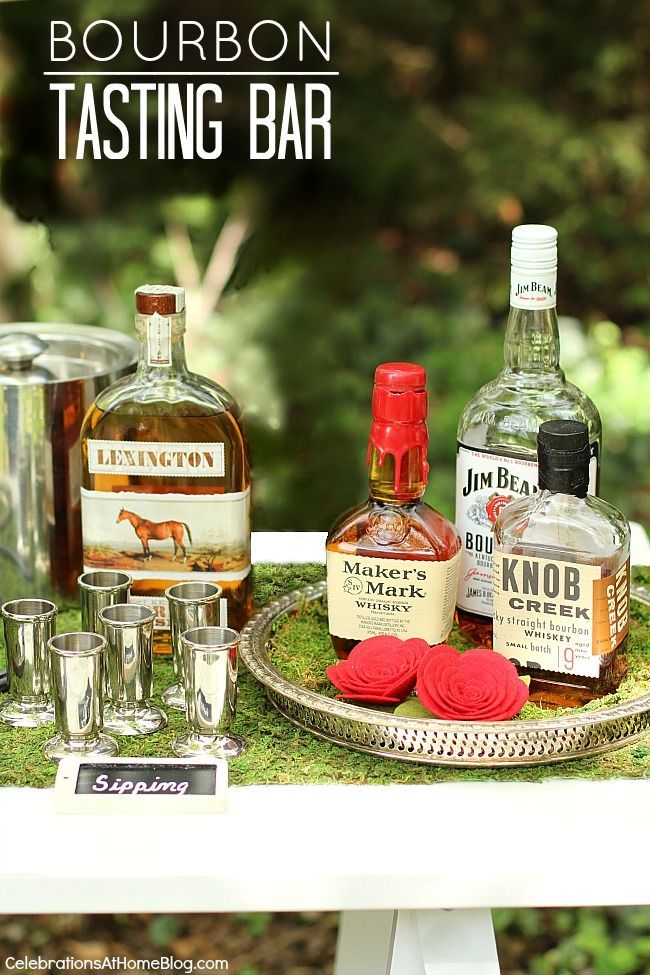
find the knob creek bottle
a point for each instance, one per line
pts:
(562, 577)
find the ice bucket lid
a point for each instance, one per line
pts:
(55, 353)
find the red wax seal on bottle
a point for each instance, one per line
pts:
(399, 411)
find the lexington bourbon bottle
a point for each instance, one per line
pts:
(496, 459)
(392, 562)
(166, 483)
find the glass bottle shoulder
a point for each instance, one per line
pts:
(587, 526)
(179, 394)
(395, 531)
(507, 412)
(180, 409)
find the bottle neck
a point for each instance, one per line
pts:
(532, 342)
(565, 478)
(561, 497)
(162, 347)
(396, 479)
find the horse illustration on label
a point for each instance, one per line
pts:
(158, 531)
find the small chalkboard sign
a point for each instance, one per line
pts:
(140, 785)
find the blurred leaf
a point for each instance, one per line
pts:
(256, 924)
(164, 928)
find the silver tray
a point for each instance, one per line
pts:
(429, 740)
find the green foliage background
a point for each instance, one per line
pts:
(452, 122)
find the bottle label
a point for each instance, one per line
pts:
(532, 289)
(180, 537)
(138, 457)
(558, 616)
(485, 484)
(400, 597)
(159, 341)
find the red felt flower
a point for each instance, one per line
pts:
(478, 685)
(379, 670)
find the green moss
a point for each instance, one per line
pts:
(301, 651)
(641, 575)
(271, 737)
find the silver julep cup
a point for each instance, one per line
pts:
(128, 629)
(28, 626)
(76, 667)
(98, 590)
(210, 668)
(191, 604)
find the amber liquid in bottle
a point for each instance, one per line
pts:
(389, 528)
(184, 426)
(476, 628)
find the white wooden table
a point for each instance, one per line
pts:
(414, 869)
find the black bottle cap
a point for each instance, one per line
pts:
(563, 453)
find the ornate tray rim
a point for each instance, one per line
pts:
(433, 741)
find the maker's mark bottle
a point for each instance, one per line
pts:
(497, 433)
(392, 562)
(166, 483)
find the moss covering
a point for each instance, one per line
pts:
(301, 651)
(641, 575)
(271, 737)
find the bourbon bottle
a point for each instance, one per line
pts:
(392, 561)
(496, 458)
(562, 577)
(166, 483)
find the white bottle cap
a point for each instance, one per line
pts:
(534, 247)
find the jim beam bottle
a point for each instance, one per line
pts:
(392, 561)
(497, 433)
(562, 577)
(166, 483)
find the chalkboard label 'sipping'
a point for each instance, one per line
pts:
(141, 785)
(136, 780)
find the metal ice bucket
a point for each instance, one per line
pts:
(49, 376)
